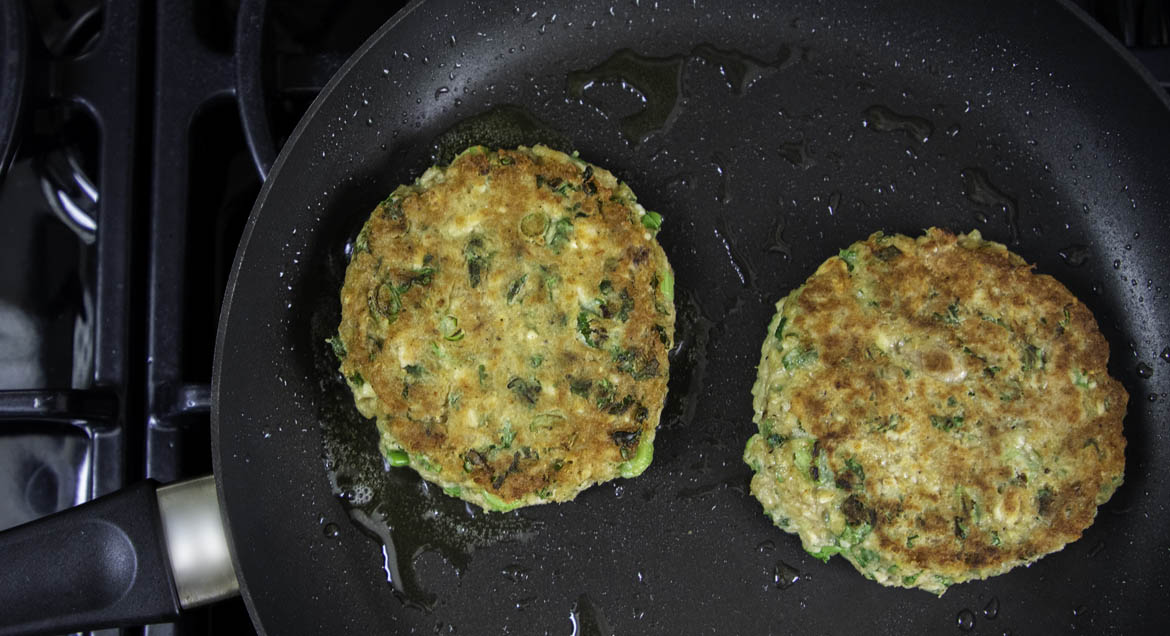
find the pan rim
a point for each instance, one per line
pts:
(229, 291)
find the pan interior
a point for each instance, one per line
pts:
(768, 138)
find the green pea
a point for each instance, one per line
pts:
(398, 458)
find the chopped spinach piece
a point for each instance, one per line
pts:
(850, 258)
(652, 221)
(594, 335)
(948, 423)
(854, 467)
(798, 358)
(478, 260)
(557, 234)
(779, 333)
(362, 242)
(526, 391)
(338, 347)
(580, 386)
(386, 302)
(515, 287)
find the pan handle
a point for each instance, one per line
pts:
(136, 556)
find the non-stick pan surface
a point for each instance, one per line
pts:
(768, 137)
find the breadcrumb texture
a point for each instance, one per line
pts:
(506, 320)
(934, 412)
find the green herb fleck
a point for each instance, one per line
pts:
(580, 386)
(594, 335)
(507, 435)
(652, 221)
(338, 347)
(525, 391)
(478, 260)
(515, 287)
(362, 242)
(850, 258)
(854, 467)
(483, 376)
(824, 553)
(386, 302)
(798, 358)
(779, 333)
(557, 234)
(356, 379)
(948, 423)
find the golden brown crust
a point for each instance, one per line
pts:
(510, 314)
(970, 392)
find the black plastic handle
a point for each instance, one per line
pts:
(101, 564)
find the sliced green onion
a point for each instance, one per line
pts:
(667, 285)
(533, 225)
(640, 462)
(449, 327)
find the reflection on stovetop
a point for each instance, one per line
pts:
(145, 134)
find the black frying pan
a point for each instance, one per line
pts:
(1019, 119)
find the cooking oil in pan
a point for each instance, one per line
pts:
(979, 189)
(658, 82)
(883, 119)
(394, 506)
(505, 126)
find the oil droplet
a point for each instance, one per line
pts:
(501, 127)
(1117, 263)
(883, 119)
(1075, 255)
(991, 610)
(331, 530)
(796, 152)
(766, 546)
(515, 573)
(1165, 355)
(965, 620)
(1153, 397)
(739, 69)
(834, 202)
(979, 189)
(522, 603)
(657, 79)
(784, 575)
(1080, 610)
(1145, 371)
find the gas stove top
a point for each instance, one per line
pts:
(134, 137)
